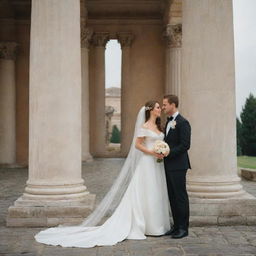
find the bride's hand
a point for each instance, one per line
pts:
(159, 156)
(165, 155)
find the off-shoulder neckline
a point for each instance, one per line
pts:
(152, 131)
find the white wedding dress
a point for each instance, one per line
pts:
(143, 210)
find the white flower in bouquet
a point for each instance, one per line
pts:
(160, 147)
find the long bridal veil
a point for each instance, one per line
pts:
(113, 197)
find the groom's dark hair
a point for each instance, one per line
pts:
(172, 99)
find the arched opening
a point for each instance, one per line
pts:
(113, 56)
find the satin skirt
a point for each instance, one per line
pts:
(143, 210)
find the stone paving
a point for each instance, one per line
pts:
(98, 175)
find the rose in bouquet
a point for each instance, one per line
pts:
(160, 147)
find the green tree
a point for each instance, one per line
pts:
(248, 130)
(238, 137)
(116, 137)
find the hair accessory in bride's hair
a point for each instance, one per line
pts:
(148, 108)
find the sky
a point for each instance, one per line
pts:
(113, 64)
(245, 53)
(245, 50)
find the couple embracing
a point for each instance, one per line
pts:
(148, 195)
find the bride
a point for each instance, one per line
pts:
(137, 202)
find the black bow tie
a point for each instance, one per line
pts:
(169, 118)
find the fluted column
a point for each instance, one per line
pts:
(86, 35)
(208, 98)
(7, 103)
(54, 184)
(125, 39)
(173, 35)
(97, 109)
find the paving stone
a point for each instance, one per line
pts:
(173, 251)
(212, 249)
(98, 176)
(235, 238)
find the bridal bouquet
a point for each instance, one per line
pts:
(160, 147)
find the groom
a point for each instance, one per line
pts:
(177, 136)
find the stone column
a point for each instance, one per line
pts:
(7, 103)
(208, 98)
(208, 101)
(97, 131)
(55, 192)
(125, 39)
(86, 35)
(173, 59)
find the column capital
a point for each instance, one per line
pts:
(86, 37)
(100, 39)
(125, 39)
(8, 50)
(173, 35)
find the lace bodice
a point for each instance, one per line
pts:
(150, 136)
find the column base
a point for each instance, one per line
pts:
(223, 187)
(43, 213)
(205, 212)
(87, 158)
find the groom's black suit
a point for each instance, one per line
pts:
(176, 166)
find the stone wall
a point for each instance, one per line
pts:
(147, 71)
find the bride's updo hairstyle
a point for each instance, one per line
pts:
(149, 106)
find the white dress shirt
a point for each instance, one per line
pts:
(169, 124)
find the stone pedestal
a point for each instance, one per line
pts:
(55, 192)
(86, 35)
(205, 212)
(97, 106)
(208, 101)
(7, 103)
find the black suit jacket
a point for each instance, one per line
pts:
(178, 140)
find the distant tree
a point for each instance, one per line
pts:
(116, 137)
(238, 137)
(248, 129)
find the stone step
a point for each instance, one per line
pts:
(249, 174)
